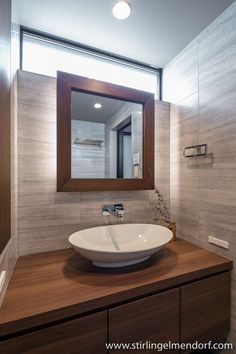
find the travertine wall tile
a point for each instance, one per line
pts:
(184, 182)
(203, 190)
(162, 148)
(181, 74)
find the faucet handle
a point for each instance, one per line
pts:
(119, 207)
(115, 208)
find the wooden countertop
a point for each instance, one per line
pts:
(52, 286)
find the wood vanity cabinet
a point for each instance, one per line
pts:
(182, 298)
(83, 335)
(154, 319)
(205, 309)
(199, 310)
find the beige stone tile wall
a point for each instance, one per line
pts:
(200, 83)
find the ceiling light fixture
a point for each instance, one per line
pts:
(97, 105)
(121, 10)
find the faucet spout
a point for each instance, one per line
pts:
(116, 210)
(115, 213)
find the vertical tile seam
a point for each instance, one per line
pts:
(17, 160)
(198, 126)
(169, 164)
(198, 84)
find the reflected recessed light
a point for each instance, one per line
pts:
(121, 10)
(97, 105)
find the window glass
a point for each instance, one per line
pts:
(45, 57)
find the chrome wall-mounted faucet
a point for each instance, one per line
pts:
(116, 210)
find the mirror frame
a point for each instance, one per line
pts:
(65, 183)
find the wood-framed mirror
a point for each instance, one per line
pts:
(105, 136)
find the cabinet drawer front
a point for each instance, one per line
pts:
(154, 319)
(83, 335)
(205, 308)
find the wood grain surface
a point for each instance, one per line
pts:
(205, 309)
(154, 319)
(83, 335)
(55, 285)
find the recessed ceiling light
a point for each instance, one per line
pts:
(121, 10)
(97, 105)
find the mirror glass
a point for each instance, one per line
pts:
(106, 137)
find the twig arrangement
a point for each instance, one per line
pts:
(162, 215)
(161, 211)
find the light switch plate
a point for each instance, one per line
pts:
(136, 159)
(3, 276)
(218, 242)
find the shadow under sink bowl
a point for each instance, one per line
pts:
(120, 245)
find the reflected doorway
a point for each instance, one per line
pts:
(124, 151)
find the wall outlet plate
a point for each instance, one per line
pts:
(136, 159)
(3, 276)
(218, 242)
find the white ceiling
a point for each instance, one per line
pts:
(156, 31)
(82, 107)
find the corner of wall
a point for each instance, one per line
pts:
(9, 255)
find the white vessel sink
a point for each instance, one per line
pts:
(120, 245)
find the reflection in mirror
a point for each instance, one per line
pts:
(107, 137)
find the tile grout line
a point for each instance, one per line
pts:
(198, 132)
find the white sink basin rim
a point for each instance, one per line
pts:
(120, 245)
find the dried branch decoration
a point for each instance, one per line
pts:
(158, 204)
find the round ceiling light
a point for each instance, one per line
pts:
(121, 10)
(97, 105)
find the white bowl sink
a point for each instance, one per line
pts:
(120, 245)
